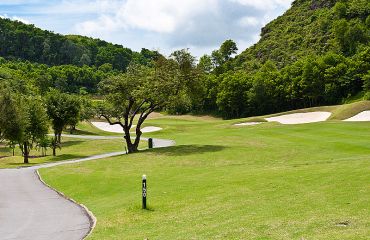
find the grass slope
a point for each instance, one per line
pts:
(268, 181)
(339, 112)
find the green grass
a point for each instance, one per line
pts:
(71, 149)
(349, 110)
(268, 181)
(339, 112)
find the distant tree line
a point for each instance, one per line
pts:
(316, 53)
(24, 41)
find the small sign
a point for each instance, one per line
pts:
(144, 191)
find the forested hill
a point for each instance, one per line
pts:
(27, 42)
(312, 27)
(317, 53)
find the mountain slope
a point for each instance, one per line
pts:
(315, 54)
(312, 27)
(27, 42)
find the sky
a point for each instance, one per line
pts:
(163, 25)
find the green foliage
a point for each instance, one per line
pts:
(231, 96)
(315, 54)
(63, 110)
(227, 49)
(340, 9)
(311, 27)
(205, 64)
(19, 40)
(23, 121)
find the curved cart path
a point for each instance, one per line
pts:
(29, 210)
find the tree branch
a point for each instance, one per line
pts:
(136, 111)
(111, 122)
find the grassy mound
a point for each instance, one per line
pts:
(339, 112)
(349, 110)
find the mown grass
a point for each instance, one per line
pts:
(268, 181)
(72, 149)
(349, 110)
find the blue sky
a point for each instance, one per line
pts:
(164, 25)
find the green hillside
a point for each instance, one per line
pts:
(27, 42)
(317, 53)
(312, 27)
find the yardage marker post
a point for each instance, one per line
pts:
(144, 191)
(150, 143)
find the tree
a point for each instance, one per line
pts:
(205, 64)
(139, 92)
(340, 9)
(24, 121)
(36, 125)
(221, 57)
(43, 145)
(63, 109)
(227, 49)
(11, 123)
(191, 93)
(232, 95)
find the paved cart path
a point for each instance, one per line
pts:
(29, 210)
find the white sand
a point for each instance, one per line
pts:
(361, 117)
(118, 129)
(300, 118)
(247, 124)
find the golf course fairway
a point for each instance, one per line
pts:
(268, 181)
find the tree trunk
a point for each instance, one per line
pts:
(25, 153)
(138, 136)
(59, 137)
(54, 144)
(131, 148)
(72, 129)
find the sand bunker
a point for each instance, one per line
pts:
(300, 118)
(361, 117)
(118, 129)
(247, 124)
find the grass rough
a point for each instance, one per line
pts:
(269, 181)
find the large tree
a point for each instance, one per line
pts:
(138, 93)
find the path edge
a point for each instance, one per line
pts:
(87, 212)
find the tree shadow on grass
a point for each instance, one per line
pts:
(58, 158)
(67, 157)
(184, 150)
(71, 143)
(79, 132)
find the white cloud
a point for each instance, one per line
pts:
(249, 21)
(18, 2)
(68, 7)
(16, 18)
(201, 25)
(161, 16)
(264, 4)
